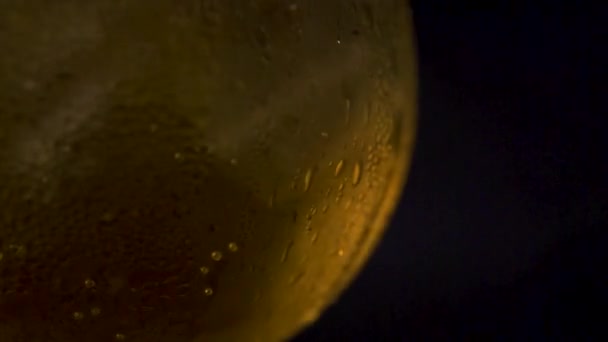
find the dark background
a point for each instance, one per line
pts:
(500, 233)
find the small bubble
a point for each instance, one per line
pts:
(356, 173)
(208, 291)
(216, 255)
(178, 156)
(324, 134)
(341, 187)
(325, 207)
(234, 162)
(293, 7)
(78, 315)
(340, 252)
(233, 247)
(339, 168)
(108, 217)
(204, 270)
(95, 311)
(89, 283)
(120, 337)
(307, 179)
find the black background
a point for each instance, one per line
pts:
(500, 233)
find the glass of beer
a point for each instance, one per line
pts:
(195, 170)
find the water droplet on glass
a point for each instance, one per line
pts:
(95, 311)
(208, 291)
(216, 255)
(347, 110)
(19, 250)
(307, 179)
(339, 167)
(356, 173)
(233, 247)
(285, 255)
(120, 337)
(271, 199)
(89, 283)
(78, 315)
(204, 270)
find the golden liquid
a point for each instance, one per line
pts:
(191, 170)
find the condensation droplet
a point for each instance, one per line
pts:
(208, 291)
(78, 315)
(285, 255)
(307, 179)
(356, 173)
(95, 311)
(339, 167)
(89, 283)
(204, 270)
(19, 250)
(233, 247)
(120, 337)
(216, 255)
(272, 199)
(347, 110)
